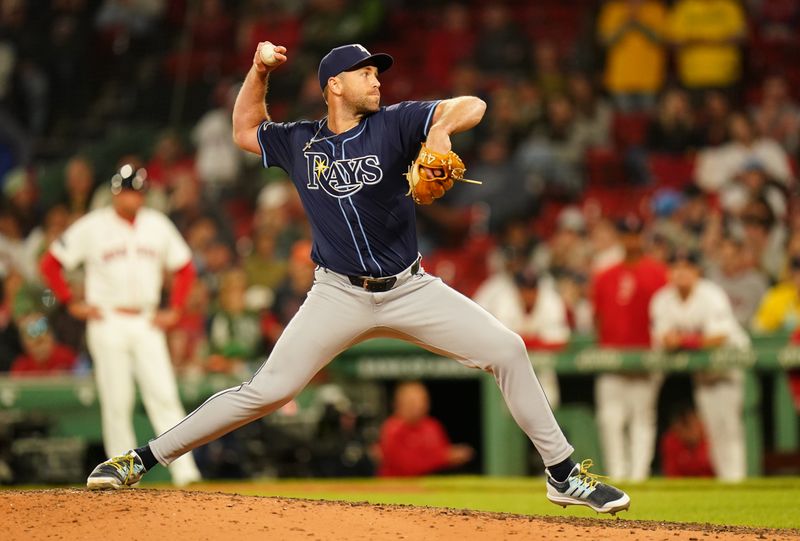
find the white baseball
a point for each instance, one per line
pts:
(267, 54)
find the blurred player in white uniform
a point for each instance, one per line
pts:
(530, 306)
(125, 250)
(693, 313)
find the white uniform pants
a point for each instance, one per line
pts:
(720, 403)
(336, 315)
(626, 417)
(127, 348)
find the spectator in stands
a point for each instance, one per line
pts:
(764, 235)
(697, 214)
(12, 247)
(79, 185)
(42, 354)
(708, 35)
(777, 117)
(548, 72)
(503, 119)
(502, 47)
(291, 293)
(500, 176)
(188, 203)
(718, 166)
(692, 314)
(20, 199)
(669, 208)
(780, 307)
(10, 343)
(199, 233)
(684, 446)
(56, 221)
(529, 305)
(263, 267)
(605, 247)
(188, 340)
(780, 311)
(673, 130)
(218, 258)
(170, 162)
(733, 268)
(626, 402)
(453, 39)
(219, 160)
(593, 115)
(414, 443)
(573, 287)
(714, 118)
(552, 157)
(567, 250)
(278, 209)
(234, 336)
(751, 183)
(633, 32)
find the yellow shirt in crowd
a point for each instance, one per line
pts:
(635, 62)
(779, 309)
(704, 30)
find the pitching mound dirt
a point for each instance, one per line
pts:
(174, 515)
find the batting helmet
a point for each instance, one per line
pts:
(128, 178)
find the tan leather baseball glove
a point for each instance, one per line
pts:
(431, 174)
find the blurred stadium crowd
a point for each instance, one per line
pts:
(681, 116)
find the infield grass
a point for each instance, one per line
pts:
(765, 502)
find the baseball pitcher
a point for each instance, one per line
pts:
(352, 172)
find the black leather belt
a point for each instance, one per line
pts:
(378, 285)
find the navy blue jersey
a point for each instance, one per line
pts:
(352, 185)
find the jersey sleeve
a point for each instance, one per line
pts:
(71, 248)
(274, 138)
(721, 320)
(659, 317)
(409, 122)
(177, 252)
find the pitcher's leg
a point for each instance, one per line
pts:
(549, 381)
(441, 319)
(328, 321)
(113, 375)
(159, 390)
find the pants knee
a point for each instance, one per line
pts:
(507, 352)
(272, 392)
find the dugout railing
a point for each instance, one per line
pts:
(71, 401)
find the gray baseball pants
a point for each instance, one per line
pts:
(336, 315)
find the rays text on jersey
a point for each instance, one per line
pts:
(341, 178)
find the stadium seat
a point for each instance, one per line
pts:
(630, 129)
(670, 170)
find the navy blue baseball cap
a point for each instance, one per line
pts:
(348, 58)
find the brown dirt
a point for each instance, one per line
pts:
(175, 515)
